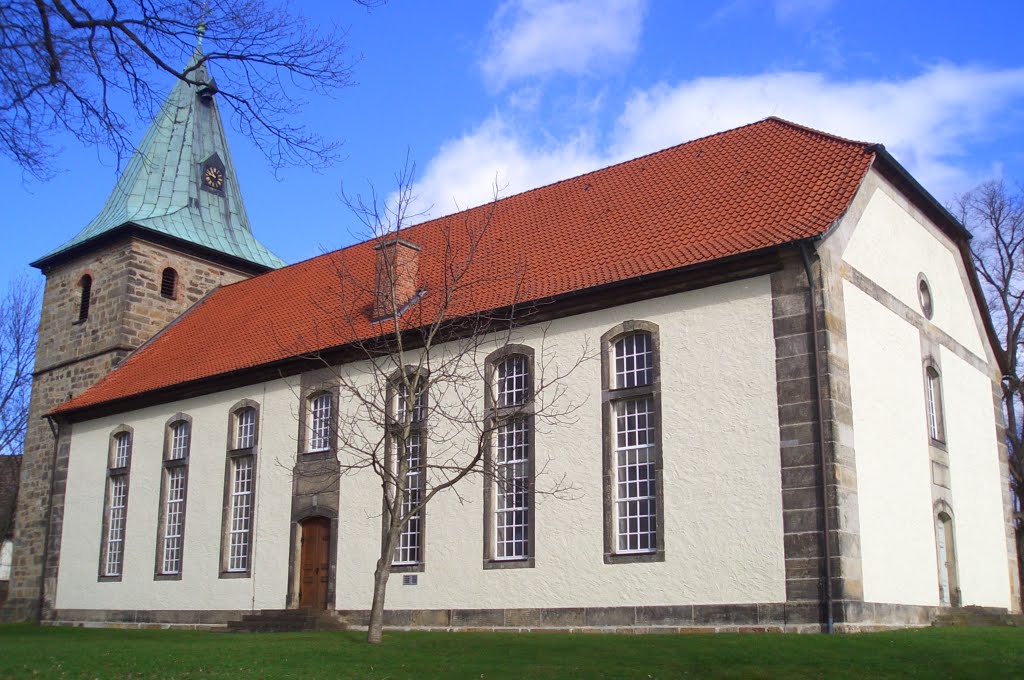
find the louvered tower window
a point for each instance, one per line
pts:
(85, 284)
(168, 283)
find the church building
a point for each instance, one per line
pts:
(776, 388)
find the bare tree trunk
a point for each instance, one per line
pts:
(380, 583)
(380, 587)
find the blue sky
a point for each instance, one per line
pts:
(527, 92)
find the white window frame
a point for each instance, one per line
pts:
(409, 552)
(319, 412)
(240, 514)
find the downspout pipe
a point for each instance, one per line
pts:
(826, 528)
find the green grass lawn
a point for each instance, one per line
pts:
(29, 651)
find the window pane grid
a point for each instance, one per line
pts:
(408, 549)
(115, 526)
(179, 441)
(245, 429)
(512, 473)
(634, 361)
(241, 514)
(122, 450)
(512, 375)
(320, 423)
(635, 492)
(419, 411)
(175, 520)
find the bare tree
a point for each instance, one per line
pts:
(76, 66)
(423, 406)
(19, 311)
(994, 213)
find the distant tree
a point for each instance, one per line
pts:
(415, 394)
(19, 309)
(18, 320)
(79, 66)
(10, 476)
(994, 213)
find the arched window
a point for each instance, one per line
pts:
(945, 548)
(407, 446)
(244, 428)
(508, 460)
(173, 491)
(169, 284)
(239, 490)
(318, 422)
(634, 515)
(933, 401)
(115, 504)
(85, 284)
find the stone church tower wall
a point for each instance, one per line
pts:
(126, 309)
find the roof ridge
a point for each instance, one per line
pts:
(525, 192)
(816, 132)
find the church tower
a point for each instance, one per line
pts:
(173, 229)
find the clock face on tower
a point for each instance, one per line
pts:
(213, 177)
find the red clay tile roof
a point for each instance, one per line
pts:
(738, 191)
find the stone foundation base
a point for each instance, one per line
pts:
(773, 617)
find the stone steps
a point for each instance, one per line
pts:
(963, 617)
(286, 621)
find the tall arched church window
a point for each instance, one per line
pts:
(509, 521)
(239, 490)
(634, 512)
(408, 408)
(115, 504)
(173, 492)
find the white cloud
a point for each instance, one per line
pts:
(929, 122)
(468, 170)
(542, 37)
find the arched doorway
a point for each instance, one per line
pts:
(314, 562)
(949, 584)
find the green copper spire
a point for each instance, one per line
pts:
(181, 182)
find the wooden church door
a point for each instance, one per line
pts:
(315, 562)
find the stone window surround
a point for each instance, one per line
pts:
(927, 304)
(939, 508)
(105, 524)
(424, 430)
(168, 464)
(527, 409)
(233, 424)
(175, 283)
(608, 398)
(931, 363)
(306, 396)
(232, 455)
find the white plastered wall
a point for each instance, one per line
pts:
(723, 515)
(897, 539)
(890, 247)
(890, 244)
(974, 470)
(200, 586)
(721, 478)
